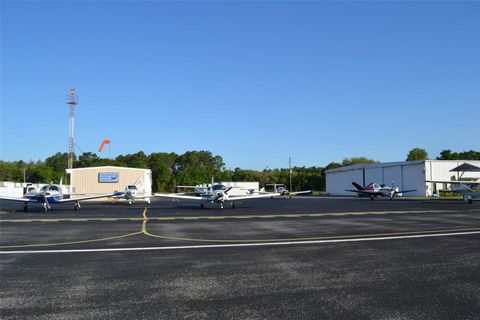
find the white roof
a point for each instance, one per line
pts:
(106, 168)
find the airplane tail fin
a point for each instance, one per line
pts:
(356, 185)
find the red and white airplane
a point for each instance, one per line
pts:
(374, 190)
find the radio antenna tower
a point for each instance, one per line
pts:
(72, 100)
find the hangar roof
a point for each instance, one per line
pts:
(468, 166)
(374, 165)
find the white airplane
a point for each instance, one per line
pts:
(130, 194)
(197, 190)
(374, 190)
(49, 194)
(283, 191)
(217, 193)
(469, 188)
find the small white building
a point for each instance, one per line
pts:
(407, 175)
(107, 179)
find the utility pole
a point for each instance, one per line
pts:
(290, 170)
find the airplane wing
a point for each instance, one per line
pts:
(121, 195)
(118, 194)
(178, 196)
(267, 195)
(301, 192)
(370, 192)
(405, 191)
(17, 199)
(93, 196)
(454, 182)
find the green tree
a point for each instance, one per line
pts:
(58, 162)
(417, 154)
(87, 159)
(357, 160)
(466, 155)
(162, 166)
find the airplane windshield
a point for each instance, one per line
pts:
(218, 187)
(51, 188)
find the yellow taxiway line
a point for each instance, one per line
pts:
(145, 232)
(71, 242)
(224, 217)
(390, 234)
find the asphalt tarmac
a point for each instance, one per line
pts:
(304, 258)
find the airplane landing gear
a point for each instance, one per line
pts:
(77, 205)
(201, 206)
(25, 207)
(233, 205)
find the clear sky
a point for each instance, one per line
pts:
(254, 82)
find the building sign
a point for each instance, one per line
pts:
(108, 177)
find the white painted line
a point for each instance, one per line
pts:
(239, 245)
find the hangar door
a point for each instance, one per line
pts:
(393, 175)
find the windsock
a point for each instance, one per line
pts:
(103, 145)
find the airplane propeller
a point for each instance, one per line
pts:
(46, 204)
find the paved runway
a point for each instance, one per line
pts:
(306, 258)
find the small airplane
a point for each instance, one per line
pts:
(197, 190)
(283, 191)
(130, 194)
(48, 194)
(469, 188)
(374, 190)
(216, 193)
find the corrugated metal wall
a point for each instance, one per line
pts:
(86, 180)
(408, 175)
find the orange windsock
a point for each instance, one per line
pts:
(103, 145)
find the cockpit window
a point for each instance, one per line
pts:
(132, 187)
(218, 187)
(53, 188)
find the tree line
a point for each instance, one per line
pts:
(192, 168)
(447, 154)
(168, 170)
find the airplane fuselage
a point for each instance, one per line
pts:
(40, 198)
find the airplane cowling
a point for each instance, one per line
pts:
(220, 197)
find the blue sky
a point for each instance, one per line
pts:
(255, 82)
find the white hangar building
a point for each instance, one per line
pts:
(407, 175)
(107, 179)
